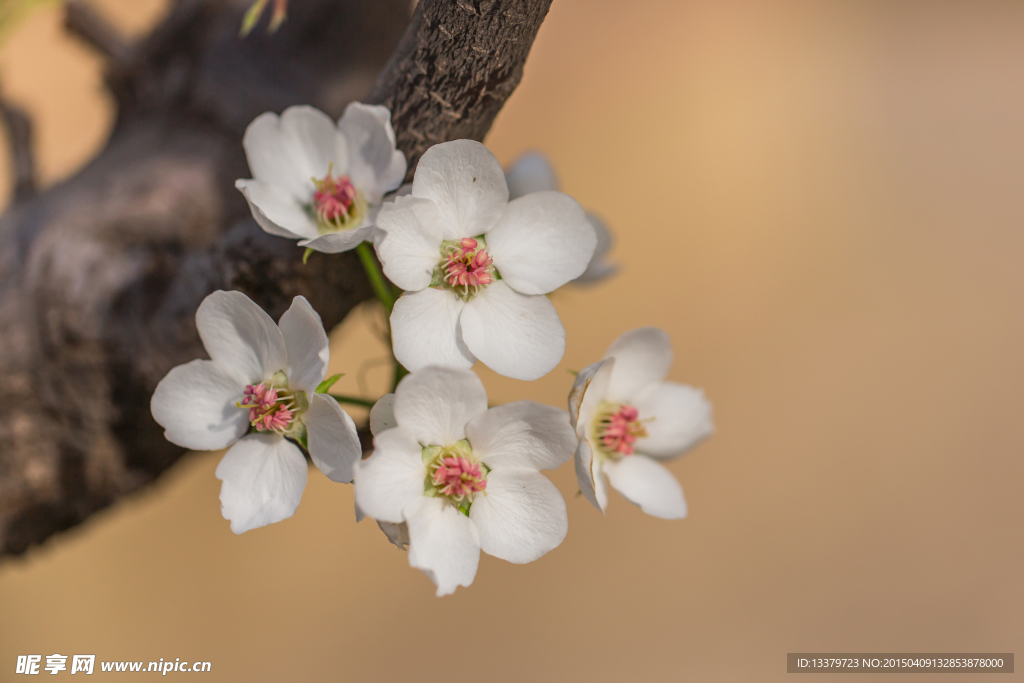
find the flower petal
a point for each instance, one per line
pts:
(333, 441)
(531, 173)
(276, 211)
(588, 475)
(264, 476)
(306, 344)
(443, 543)
(271, 161)
(642, 358)
(587, 392)
(425, 330)
(682, 418)
(195, 404)
(515, 335)
(408, 241)
(466, 183)
(238, 333)
(337, 242)
(598, 269)
(375, 166)
(398, 534)
(600, 485)
(647, 483)
(391, 477)
(382, 414)
(290, 150)
(522, 434)
(541, 242)
(434, 405)
(520, 516)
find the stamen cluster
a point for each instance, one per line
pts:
(270, 410)
(619, 429)
(335, 200)
(458, 478)
(468, 265)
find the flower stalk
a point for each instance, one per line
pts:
(381, 287)
(353, 400)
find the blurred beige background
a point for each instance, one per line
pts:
(823, 203)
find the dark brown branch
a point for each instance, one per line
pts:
(85, 22)
(19, 140)
(456, 65)
(101, 276)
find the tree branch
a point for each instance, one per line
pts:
(100, 277)
(456, 65)
(83, 21)
(19, 139)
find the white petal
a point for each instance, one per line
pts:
(520, 516)
(391, 477)
(382, 414)
(195, 404)
(434, 405)
(375, 166)
(515, 335)
(264, 476)
(270, 158)
(337, 242)
(522, 434)
(403, 190)
(531, 173)
(238, 333)
(682, 418)
(290, 150)
(276, 211)
(542, 241)
(443, 543)
(587, 392)
(333, 441)
(466, 183)
(600, 486)
(306, 344)
(588, 475)
(642, 358)
(648, 484)
(425, 330)
(598, 269)
(398, 534)
(408, 241)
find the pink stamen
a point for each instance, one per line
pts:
(468, 266)
(620, 430)
(266, 412)
(333, 198)
(458, 477)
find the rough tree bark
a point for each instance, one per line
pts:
(101, 275)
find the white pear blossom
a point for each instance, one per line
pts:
(476, 267)
(318, 182)
(257, 391)
(532, 172)
(627, 418)
(464, 478)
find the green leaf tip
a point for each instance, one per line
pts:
(326, 385)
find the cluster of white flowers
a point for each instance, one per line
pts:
(474, 252)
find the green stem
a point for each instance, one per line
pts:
(352, 400)
(380, 286)
(386, 293)
(400, 372)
